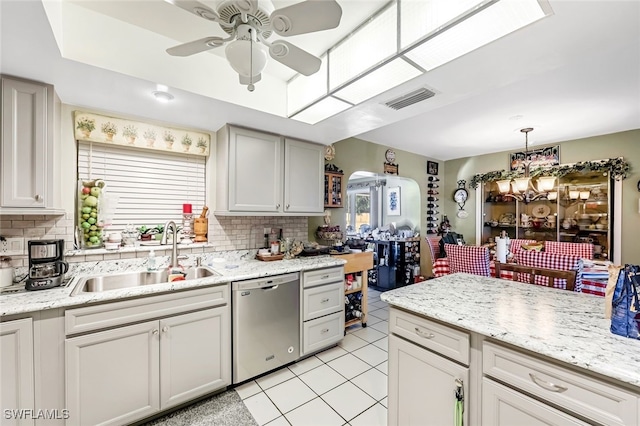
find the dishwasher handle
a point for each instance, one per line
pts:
(267, 282)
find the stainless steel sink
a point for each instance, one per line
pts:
(100, 283)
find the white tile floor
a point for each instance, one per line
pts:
(344, 385)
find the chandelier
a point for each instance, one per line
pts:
(522, 188)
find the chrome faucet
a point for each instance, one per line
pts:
(174, 251)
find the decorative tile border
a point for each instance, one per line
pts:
(115, 131)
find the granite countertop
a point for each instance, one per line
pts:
(566, 326)
(230, 268)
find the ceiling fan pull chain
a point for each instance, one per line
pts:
(251, 87)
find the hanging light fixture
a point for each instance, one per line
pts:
(521, 188)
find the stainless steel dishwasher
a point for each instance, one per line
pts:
(266, 324)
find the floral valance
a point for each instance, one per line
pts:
(617, 168)
(116, 131)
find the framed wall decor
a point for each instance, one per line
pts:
(432, 168)
(542, 157)
(393, 201)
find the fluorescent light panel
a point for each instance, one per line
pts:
(384, 78)
(321, 110)
(480, 29)
(367, 47)
(303, 90)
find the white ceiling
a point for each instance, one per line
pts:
(572, 75)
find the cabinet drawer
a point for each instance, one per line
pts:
(107, 315)
(584, 395)
(322, 276)
(322, 332)
(504, 406)
(444, 340)
(322, 300)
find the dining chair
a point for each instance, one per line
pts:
(561, 262)
(516, 244)
(469, 259)
(583, 250)
(434, 248)
(529, 274)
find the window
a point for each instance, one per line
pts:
(142, 187)
(363, 218)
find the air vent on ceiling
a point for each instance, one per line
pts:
(410, 99)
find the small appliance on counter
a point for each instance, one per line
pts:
(46, 264)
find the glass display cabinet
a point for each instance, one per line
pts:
(579, 209)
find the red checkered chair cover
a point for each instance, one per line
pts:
(583, 250)
(516, 244)
(469, 259)
(562, 262)
(434, 247)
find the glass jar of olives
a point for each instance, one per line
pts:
(90, 194)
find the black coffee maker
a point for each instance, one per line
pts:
(46, 264)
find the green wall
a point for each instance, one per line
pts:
(354, 155)
(623, 144)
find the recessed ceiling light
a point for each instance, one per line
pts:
(163, 96)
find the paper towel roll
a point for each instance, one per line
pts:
(501, 249)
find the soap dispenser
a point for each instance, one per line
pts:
(151, 261)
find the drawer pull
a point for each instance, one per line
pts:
(423, 334)
(547, 385)
(325, 330)
(324, 277)
(325, 300)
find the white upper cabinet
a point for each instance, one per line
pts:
(303, 174)
(264, 174)
(27, 144)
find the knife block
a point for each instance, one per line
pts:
(200, 228)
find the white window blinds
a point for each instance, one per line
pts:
(147, 187)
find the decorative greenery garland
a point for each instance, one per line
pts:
(618, 169)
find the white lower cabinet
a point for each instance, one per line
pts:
(125, 374)
(17, 370)
(503, 406)
(422, 386)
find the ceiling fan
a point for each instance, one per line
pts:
(250, 23)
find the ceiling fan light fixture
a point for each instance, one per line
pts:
(246, 58)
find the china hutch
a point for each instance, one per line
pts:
(583, 211)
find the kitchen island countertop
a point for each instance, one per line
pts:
(230, 269)
(565, 326)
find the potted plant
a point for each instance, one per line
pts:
(131, 133)
(202, 144)
(186, 142)
(158, 230)
(109, 129)
(147, 233)
(150, 136)
(86, 126)
(168, 139)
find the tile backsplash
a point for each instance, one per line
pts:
(225, 233)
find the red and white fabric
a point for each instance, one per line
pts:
(516, 244)
(441, 267)
(469, 259)
(434, 248)
(561, 262)
(583, 250)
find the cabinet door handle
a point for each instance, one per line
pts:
(277, 206)
(423, 334)
(547, 385)
(324, 300)
(288, 205)
(165, 329)
(37, 197)
(155, 332)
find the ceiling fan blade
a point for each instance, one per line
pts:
(306, 17)
(294, 57)
(196, 46)
(196, 8)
